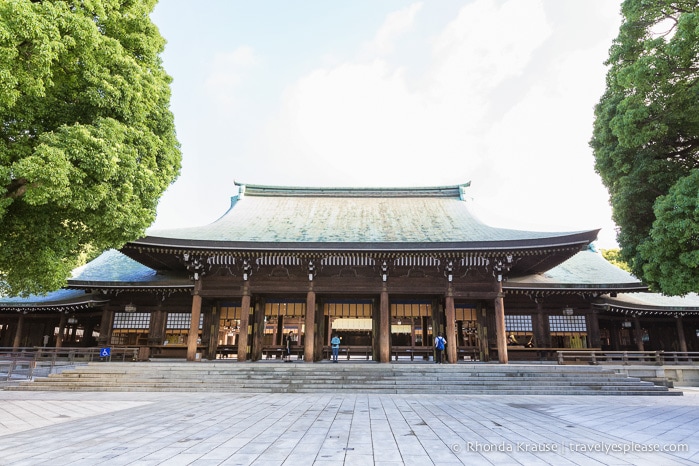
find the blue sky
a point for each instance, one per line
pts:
(391, 93)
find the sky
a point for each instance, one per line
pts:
(368, 93)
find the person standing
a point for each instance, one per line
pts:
(287, 347)
(335, 343)
(439, 344)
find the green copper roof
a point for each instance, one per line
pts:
(112, 268)
(268, 214)
(585, 269)
(653, 301)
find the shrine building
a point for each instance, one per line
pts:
(386, 269)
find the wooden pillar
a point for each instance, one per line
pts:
(500, 329)
(450, 315)
(74, 331)
(158, 322)
(88, 330)
(321, 325)
(680, 334)
(279, 335)
(309, 339)
(594, 333)
(194, 323)
(638, 333)
(18, 331)
(213, 321)
(540, 340)
(482, 329)
(244, 329)
(105, 328)
(384, 327)
(61, 330)
(425, 322)
(258, 328)
(614, 330)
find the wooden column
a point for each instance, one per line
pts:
(638, 333)
(194, 323)
(158, 322)
(593, 325)
(500, 329)
(18, 331)
(538, 329)
(279, 335)
(105, 328)
(614, 330)
(309, 337)
(61, 330)
(244, 329)
(680, 334)
(258, 328)
(213, 321)
(450, 315)
(88, 330)
(384, 327)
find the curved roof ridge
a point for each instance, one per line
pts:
(449, 191)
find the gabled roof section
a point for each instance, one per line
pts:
(651, 304)
(60, 300)
(112, 269)
(375, 219)
(586, 270)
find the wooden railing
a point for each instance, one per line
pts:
(36, 361)
(463, 353)
(349, 352)
(279, 352)
(658, 358)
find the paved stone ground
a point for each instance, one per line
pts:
(102, 428)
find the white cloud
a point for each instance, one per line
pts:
(375, 128)
(396, 24)
(228, 70)
(487, 43)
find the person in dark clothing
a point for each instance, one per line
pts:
(439, 344)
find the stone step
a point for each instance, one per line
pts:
(233, 378)
(288, 381)
(352, 378)
(496, 390)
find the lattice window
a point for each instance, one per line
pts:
(567, 324)
(181, 320)
(131, 320)
(518, 323)
(568, 331)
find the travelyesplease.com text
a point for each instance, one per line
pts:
(562, 448)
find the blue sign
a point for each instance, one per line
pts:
(105, 352)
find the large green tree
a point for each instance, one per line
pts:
(646, 141)
(87, 140)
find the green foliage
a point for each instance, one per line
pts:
(673, 248)
(87, 142)
(613, 256)
(646, 133)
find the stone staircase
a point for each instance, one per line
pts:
(297, 377)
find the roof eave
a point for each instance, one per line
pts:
(571, 240)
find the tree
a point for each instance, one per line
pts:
(87, 140)
(646, 141)
(613, 256)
